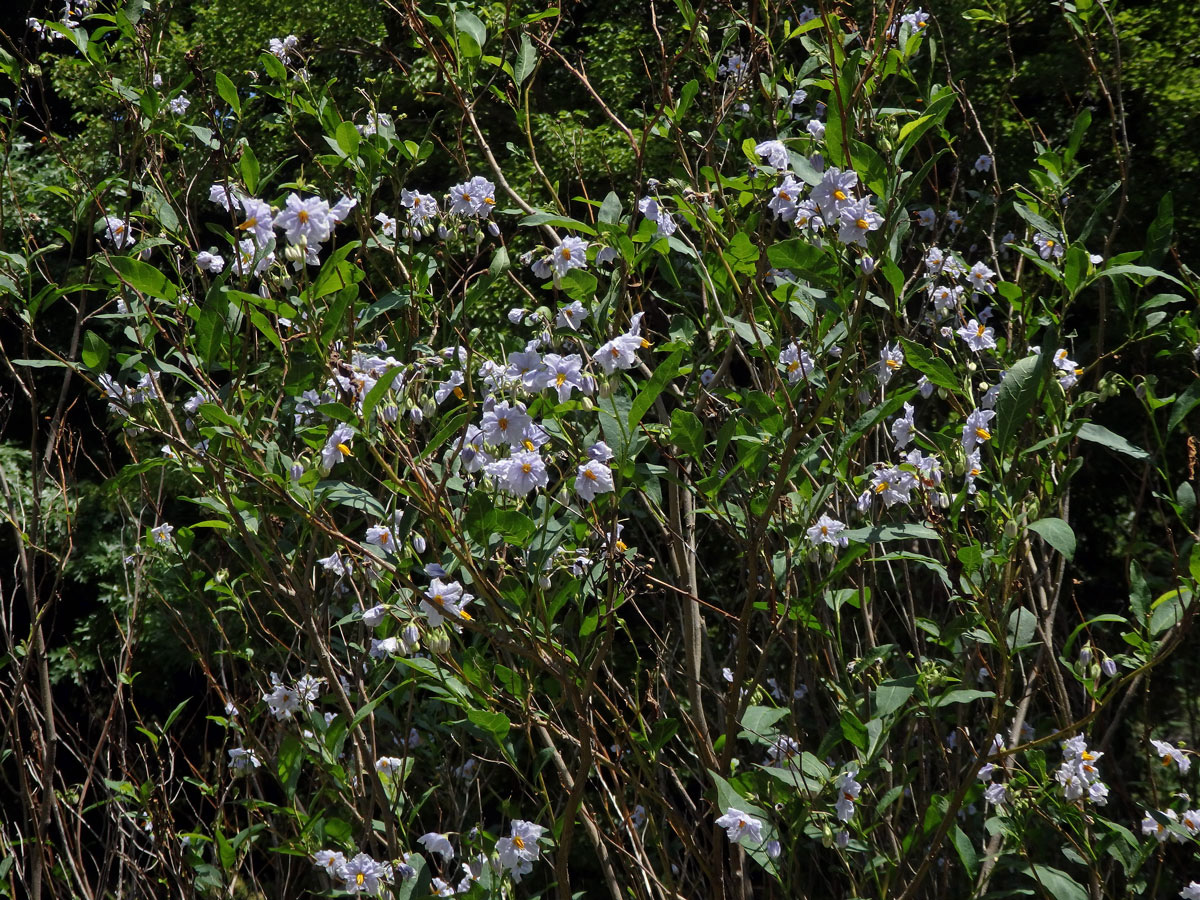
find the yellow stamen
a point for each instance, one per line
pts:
(344, 450)
(862, 223)
(458, 392)
(526, 468)
(520, 844)
(983, 434)
(881, 487)
(249, 223)
(839, 194)
(560, 379)
(565, 252)
(589, 474)
(302, 215)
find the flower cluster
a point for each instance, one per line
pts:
(1078, 774)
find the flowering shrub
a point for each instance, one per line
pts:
(711, 534)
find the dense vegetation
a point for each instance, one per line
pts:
(629, 450)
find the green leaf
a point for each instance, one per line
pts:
(1040, 224)
(877, 534)
(1098, 434)
(494, 723)
(143, 277)
(554, 220)
(962, 695)
(1158, 236)
(351, 496)
(228, 93)
(687, 432)
(686, 95)
(666, 370)
(933, 368)
(1184, 404)
(966, 851)
(1056, 883)
(469, 23)
(758, 722)
(1057, 534)
(756, 335)
(1018, 391)
(526, 61)
(288, 761)
(610, 209)
(250, 168)
(579, 284)
(95, 352)
(348, 138)
(891, 695)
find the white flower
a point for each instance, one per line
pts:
(505, 423)
(1191, 891)
(381, 536)
(337, 446)
(891, 360)
(571, 253)
(421, 207)
(162, 533)
(621, 351)
(307, 220)
(520, 473)
(835, 192)
(893, 485)
(210, 262)
(797, 363)
(452, 385)
(1151, 825)
(242, 760)
(996, 794)
(445, 600)
(774, 153)
(516, 852)
(1048, 246)
(649, 207)
(926, 217)
(848, 791)
(816, 128)
(475, 197)
(283, 48)
(363, 875)
(983, 163)
(903, 427)
(373, 616)
(856, 219)
(975, 431)
(179, 105)
(593, 478)
(1170, 754)
(571, 316)
(436, 842)
(329, 860)
(389, 766)
(787, 196)
(740, 826)
(828, 531)
(977, 336)
(118, 232)
(978, 276)
(283, 701)
(387, 225)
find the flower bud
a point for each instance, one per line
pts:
(1109, 667)
(493, 229)
(297, 471)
